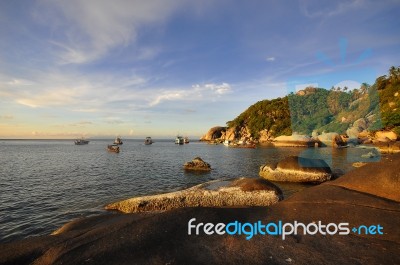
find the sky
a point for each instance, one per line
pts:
(98, 69)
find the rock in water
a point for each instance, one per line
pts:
(197, 164)
(217, 193)
(297, 169)
(295, 140)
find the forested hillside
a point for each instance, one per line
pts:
(333, 110)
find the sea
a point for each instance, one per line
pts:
(47, 183)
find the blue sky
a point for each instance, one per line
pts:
(137, 68)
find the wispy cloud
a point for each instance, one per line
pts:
(270, 59)
(92, 28)
(315, 9)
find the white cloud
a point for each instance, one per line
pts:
(91, 28)
(219, 89)
(198, 92)
(168, 96)
(308, 8)
(270, 59)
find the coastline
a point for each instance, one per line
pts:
(367, 195)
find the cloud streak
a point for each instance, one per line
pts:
(92, 28)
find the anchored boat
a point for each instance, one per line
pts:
(81, 142)
(118, 141)
(179, 140)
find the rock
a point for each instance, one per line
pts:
(382, 135)
(230, 134)
(331, 139)
(265, 136)
(217, 193)
(213, 133)
(375, 179)
(359, 164)
(197, 164)
(358, 126)
(297, 169)
(369, 155)
(295, 140)
(388, 147)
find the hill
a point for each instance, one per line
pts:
(364, 110)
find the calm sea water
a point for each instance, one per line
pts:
(46, 183)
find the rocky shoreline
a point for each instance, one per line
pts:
(369, 195)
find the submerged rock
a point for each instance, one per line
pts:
(297, 169)
(197, 164)
(217, 193)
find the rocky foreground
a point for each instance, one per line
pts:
(369, 195)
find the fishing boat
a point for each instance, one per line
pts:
(118, 141)
(186, 140)
(113, 148)
(179, 140)
(81, 142)
(148, 141)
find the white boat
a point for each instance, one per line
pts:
(148, 141)
(118, 141)
(81, 142)
(179, 140)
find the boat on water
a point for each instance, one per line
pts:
(148, 141)
(118, 141)
(186, 140)
(81, 142)
(179, 140)
(113, 148)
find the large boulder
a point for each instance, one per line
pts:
(297, 169)
(213, 133)
(197, 164)
(385, 136)
(358, 127)
(217, 193)
(331, 139)
(295, 140)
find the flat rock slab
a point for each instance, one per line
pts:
(217, 193)
(297, 169)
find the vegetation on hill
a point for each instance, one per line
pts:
(270, 115)
(334, 110)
